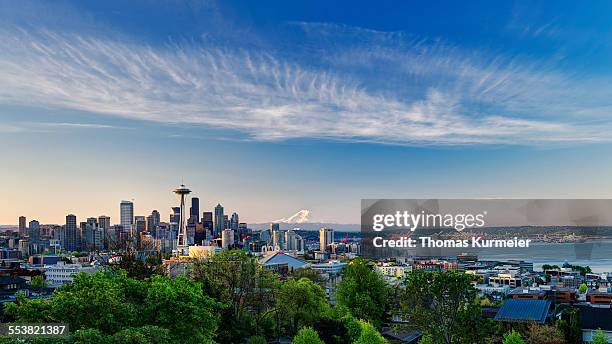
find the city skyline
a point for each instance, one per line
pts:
(309, 105)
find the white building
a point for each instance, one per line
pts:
(227, 238)
(62, 273)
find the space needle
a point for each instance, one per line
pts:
(182, 247)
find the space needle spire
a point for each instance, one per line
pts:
(182, 246)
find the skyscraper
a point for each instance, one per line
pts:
(34, 230)
(234, 222)
(126, 209)
(227, 238)
(273, 227)
(326, 238)
(194, 211)
(208, 224)
(104, 222)
(22, 227)
(70, 236)
(153, 221)
(175, 218)
(219, 223)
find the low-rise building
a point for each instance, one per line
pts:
(61, 273)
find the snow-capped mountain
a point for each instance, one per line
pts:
(302, 216)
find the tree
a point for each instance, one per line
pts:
(544, 334)
(257, 340)
(179, 305)
(600, 337)
(240, 282)
(569, 325)
(363, 292)
(331, 331)
(307, 335)
(369, 335)
(302, 302)
(513, 337)
(443, 304)
(427, 339)
(38, 282)
(352, 326)
(309, 273)
(583, 289)
(114, 306)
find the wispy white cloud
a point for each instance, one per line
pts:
(381, 87)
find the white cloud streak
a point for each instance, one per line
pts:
(272, 98)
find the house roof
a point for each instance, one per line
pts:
(281, 258)
(593, 318)
(524, 310)
(11, 280)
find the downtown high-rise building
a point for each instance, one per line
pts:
(22, 227)
(326, 238)
(194, 211)
(219, 220)
(34, 231)
(208, 224)
(153, 221)
(234, 222)
(175, 218)
(104, 222)
(70, 233)
(126, 214)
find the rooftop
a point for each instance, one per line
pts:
(524, 310)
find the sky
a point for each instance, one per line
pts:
(269, 107)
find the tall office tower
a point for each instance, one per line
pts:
(273, 227)
(126, 209)
(182, 245)
(219, 225)
(22, 227)
(91, 235)
(194, 211)
(278, 240)
(34, 230)
(242, 231)
(175, 218)
(226, 223)
(234, 222)
(104, 222)
(70, 235)
(208, 224)
(140, 225)
(227, 238)
(326, 238)
(199, 234)
(153, 221)
(290, 240)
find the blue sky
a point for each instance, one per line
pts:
(271, 107)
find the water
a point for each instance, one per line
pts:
(597, 255)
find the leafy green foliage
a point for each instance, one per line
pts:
(569, 325)
(443, 304)
(583, 288)
(513, 337)
(307, 335)
(257, 340)
(352, 326)
(363, 292)
(38, 282)
(369, 335)
(301, 302)
(113, 306)
(600, 337)
(247, 289)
